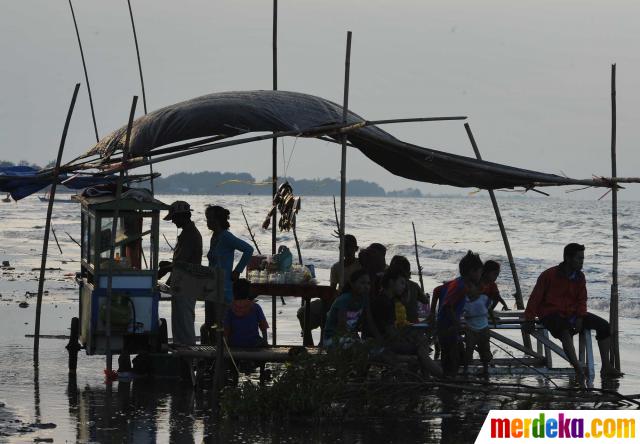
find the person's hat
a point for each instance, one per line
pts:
(178, 207)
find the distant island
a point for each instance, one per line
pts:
(212, 182)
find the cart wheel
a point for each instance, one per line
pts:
(73, 347)
(164, 334)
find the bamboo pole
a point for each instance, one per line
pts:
(343, 162)
(613, 312)
(45, 242)
(503, 231)
(415, 244)
(135, 40)
(253, 238)
(274, 161)
(494, 202)
(86, 75)
(114, 231)
(144, 94)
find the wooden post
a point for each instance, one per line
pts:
(343, 163)
(45, 242)
(494, 202)
(613, 312)
(114, 231)
(86, 75)
(144, 93)
(274, 163)
(219, 366)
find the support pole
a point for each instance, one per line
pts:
(144, 93)
(274, 164)
(45, 242)
(86, 75)
(114, 231)
(494, 202)
(343, 162)
(613, 312)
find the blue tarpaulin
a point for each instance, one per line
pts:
(23, 181)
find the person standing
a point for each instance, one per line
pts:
(188, 250)
(221, 255)
(452, 297)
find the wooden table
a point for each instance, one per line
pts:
(305, 291)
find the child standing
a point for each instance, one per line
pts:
(476, 316)
(244, 318)
(490, 272)
(451, 303)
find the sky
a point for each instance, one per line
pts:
(532, 76)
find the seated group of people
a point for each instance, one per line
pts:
(380, 302)
(377, 302)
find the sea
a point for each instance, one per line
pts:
(43, 403)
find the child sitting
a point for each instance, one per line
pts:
(476, 316)
(244, 318)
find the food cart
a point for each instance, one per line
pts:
(135, 326)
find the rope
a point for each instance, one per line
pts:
(230, 355)
(284, 162)
(295, 142)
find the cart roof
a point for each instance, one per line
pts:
(109, 203)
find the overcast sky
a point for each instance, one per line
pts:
(533, 76)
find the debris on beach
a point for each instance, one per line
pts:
(5, 264)
(23, 304)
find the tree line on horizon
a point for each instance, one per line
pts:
(214, 182)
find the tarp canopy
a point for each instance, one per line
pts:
(22, 181)
(232, 113)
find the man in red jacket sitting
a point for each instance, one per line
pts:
(559, 300)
